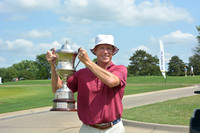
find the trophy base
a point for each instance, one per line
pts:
(63, 105)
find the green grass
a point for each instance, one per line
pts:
(135, 89)
(28, 82)
(160, 80)
(174, 112)
(24, 97)
(29, 94)
(15, 98)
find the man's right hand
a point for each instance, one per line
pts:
(51, 56)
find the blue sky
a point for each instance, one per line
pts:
(31, 27)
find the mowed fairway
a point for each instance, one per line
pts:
(24, 97)
(29, 94)
(174, 112)
(20, 97)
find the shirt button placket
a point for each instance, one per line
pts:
(99, 84)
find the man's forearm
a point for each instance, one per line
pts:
(105, 76)
(55, 79)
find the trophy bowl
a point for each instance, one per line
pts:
(64, 97)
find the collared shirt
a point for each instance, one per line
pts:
(97, 103)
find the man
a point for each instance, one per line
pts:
(191, 71)
(185, 70)
(100, 87)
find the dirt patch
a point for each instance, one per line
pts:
(3, 102)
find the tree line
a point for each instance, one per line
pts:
(27, 69)
(141, 64)
(144, 64)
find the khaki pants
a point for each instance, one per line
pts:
(117, 128)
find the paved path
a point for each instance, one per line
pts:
(44, 121)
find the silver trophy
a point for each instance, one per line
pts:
(64, 97)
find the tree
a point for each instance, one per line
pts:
(3, 74)
(143, 63)
(94, 60)
(26, 69)
(39, 69)
(8, 74)
(195, 59)
(43, 67)
(176, 66)
(197, 50)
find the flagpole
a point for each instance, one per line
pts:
(165, 81)
(162, 61)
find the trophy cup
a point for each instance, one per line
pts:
(64, 97)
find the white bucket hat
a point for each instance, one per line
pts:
(104, 39)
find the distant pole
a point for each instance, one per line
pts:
(162, 60)
(0, 80)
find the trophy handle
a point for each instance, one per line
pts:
(78, 61)
(77, 65)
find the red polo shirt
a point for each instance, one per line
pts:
(97, 103)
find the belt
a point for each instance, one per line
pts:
(104, 126)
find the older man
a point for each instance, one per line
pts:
(100, 87)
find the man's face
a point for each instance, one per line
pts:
(104, 53)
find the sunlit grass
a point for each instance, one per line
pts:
(173, 112)
(29, 94)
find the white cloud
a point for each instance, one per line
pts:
(21, 47)
(176, 37)
(2, 59)
(1, 42)
(124, 59)
(125, 12)
(180, 38)
(176, 43)
(28, 48)
(36, 34)
(75, 47)
(27, 5)
(72, 19)
(168, 57)
(18, 46)
(141, 47)
(44, 47)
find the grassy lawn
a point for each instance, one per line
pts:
(173, 112)
(28, 82)
(20, 97)
(135, 89)
(29, 94)
(160, 80)
(24, 97)
(15, 98)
